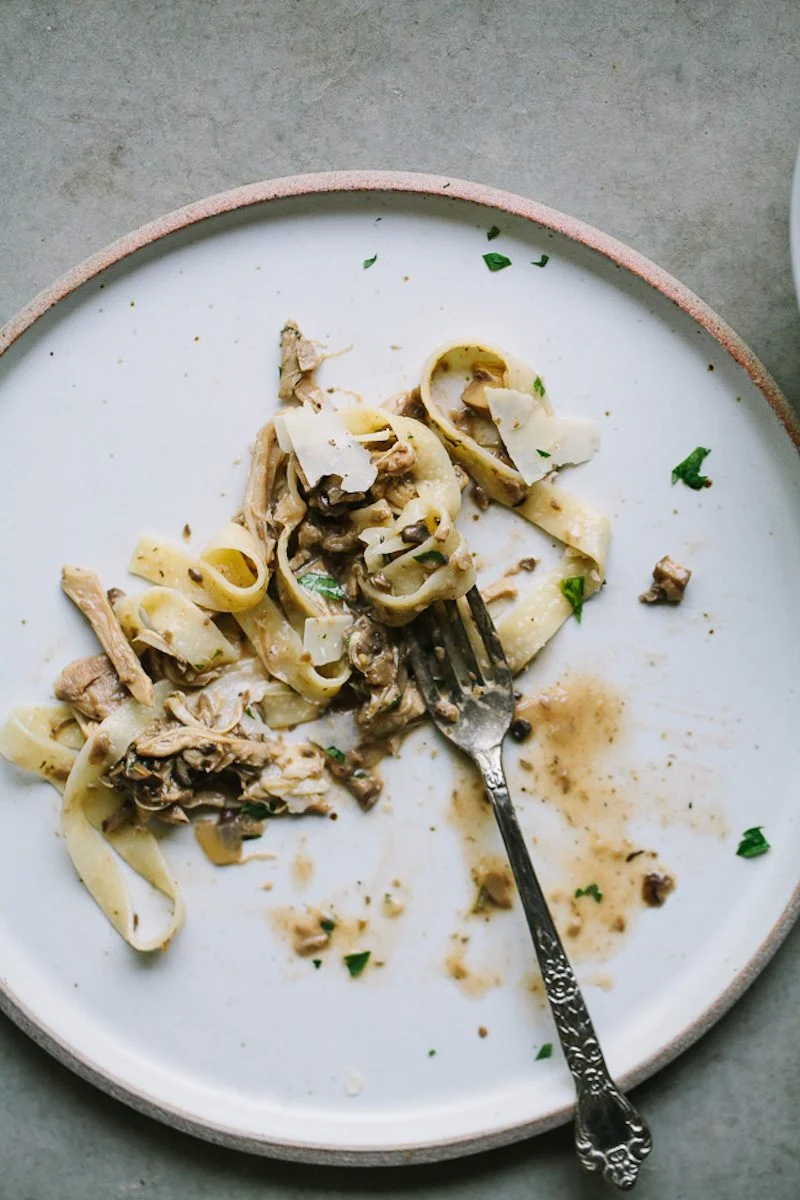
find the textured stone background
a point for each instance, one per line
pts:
(672, 124)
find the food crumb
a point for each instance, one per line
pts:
(353, 1082)
(483, 1031)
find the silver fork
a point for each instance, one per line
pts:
(468, 690)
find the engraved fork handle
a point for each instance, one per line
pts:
(610, 1135)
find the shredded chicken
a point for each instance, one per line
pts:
(300, 358)
(501, 589)
(406, 404)
(396, 461)
(85, 590)
(669, 583)
(92, 686)
(258, 495)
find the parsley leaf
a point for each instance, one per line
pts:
(538, 386)
(250, 713)
(431, 1053)
(543, 453)
(689, 470)
(542, 262)
(326, 585)
(355, 963)
(431, 556)
(545, 1051)
(572, 590)
(369, 262)
(256, 809)
(327, 924)
(496, 262)
(317, 962)
(591, 890)
(492, 234)
(753, 843)
(335, 753)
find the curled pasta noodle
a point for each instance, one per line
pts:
(280, 648)
(229, 575)
(165, 619)
(528, 625)
(33, 738)
(401, 579)
(88, 802)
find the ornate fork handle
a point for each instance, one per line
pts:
(610, 1135)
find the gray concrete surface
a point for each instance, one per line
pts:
(672, 124)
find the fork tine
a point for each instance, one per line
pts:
(491, 640)
(423, 657)
(459, 636)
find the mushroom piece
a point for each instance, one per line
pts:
(669, 583)
(300, 358)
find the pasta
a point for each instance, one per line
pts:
(349, 529)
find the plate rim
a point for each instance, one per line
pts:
(389, 183)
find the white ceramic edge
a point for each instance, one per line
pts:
(622, 255)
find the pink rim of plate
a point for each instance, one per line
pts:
(403, 183)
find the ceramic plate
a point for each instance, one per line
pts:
(129, 403)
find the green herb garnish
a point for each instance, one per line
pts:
(591, 890)
(480, 899)
(543, 453)
(432, 556)
(572, 590)
(431, 1053)
(369, 262)
(317, 962)
(545, 1051)
(250, 712)
(257, 809)
(492, 234)
(335, 753)
(753, 843)
(326, 585)
(542, 262)
(327, 924)
(496, 262)
(355, 963)
(689, 470)
(538, 386)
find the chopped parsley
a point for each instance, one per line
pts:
(591, 890)
(753, 843)
(327, 924)
(542, 262)
(326, 585)
(355, 963)
(543, 453)
(335, 753)
(257, 809)
(492, 234)
(431, 1053)
(496, 262)
(370, 262)
(431, 556)
(545, 1051)
(689, 470)
(538, 386)
(250, 712)
(572, 590)
(317, 962)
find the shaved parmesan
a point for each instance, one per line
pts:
(323, 638)
(324, 447)
(535, 439)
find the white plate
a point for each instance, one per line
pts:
(131, 405)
